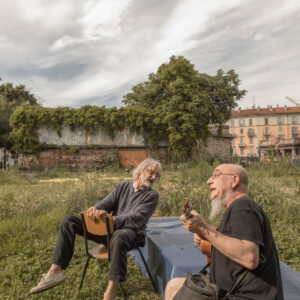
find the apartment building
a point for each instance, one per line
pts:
(258, 131)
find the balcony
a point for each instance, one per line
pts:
(267, 133)
(242, 144)
(251, 132)
(281, 142)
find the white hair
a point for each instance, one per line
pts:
(218, 205)
(143, 165)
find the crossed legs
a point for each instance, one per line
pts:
(122, 241)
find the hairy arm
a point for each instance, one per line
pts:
(245, 253)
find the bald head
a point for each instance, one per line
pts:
(238, 170)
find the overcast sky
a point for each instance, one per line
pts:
(78, 52)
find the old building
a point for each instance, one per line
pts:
(260, 131)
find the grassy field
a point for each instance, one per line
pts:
(33, 205)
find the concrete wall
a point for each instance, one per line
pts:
(81, 137)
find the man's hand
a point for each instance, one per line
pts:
(95, 213)
(197, 239)
(195, 224)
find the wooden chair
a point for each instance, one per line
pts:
(101, 228)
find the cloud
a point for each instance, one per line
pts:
(102, 19)
(95, 51)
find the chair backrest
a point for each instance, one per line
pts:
(98, 227)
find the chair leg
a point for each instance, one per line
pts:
(148, 271)
(84, 271)
(122, 290)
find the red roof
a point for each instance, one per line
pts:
(266, 111)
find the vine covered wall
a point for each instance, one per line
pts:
(27, 120)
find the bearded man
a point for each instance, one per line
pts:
(131, 203)
(242, 242)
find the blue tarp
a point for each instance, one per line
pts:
(170, 253)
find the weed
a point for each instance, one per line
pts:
(31, 212)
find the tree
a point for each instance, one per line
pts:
(186, 102)
(17, 95)
(11, 98)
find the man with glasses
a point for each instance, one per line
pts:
(242, 242)
(131, 203)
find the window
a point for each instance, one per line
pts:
(266, 130)
(241, 140)
(250, 122)
(241, 131)
(241, 122)
(280, 129)
(266, 121)
(242, 151)
(279, 120)
(294, 130)
(294, 120)
(232, 123)
(281, 137)
(251, 151)
(251, 132)
(233, 151)
(266, 138)
(250, 140)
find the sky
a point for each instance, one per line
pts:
(92, 52)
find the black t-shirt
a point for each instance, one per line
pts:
(245, 220)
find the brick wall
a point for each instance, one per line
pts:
(54, 158)
(88, 159)
(218, 148)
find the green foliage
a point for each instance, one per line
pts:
(27, 119)
(17, 95)
(6, 110)
(11, 98)
(186, 102)
(74, 150)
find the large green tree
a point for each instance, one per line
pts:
(17, 95)
(186, 102)
(10, 98)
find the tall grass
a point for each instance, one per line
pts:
(31, 211)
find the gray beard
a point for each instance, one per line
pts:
(145, 182)
(218, 205)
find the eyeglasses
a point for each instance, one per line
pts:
(152, 172)
(217, 174)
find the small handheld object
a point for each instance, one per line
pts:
(187, 207)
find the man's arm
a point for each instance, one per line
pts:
(101, 208)
(245, 253)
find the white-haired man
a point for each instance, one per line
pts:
(243, 240)
(132, 203)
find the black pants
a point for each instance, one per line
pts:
(122, 241)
